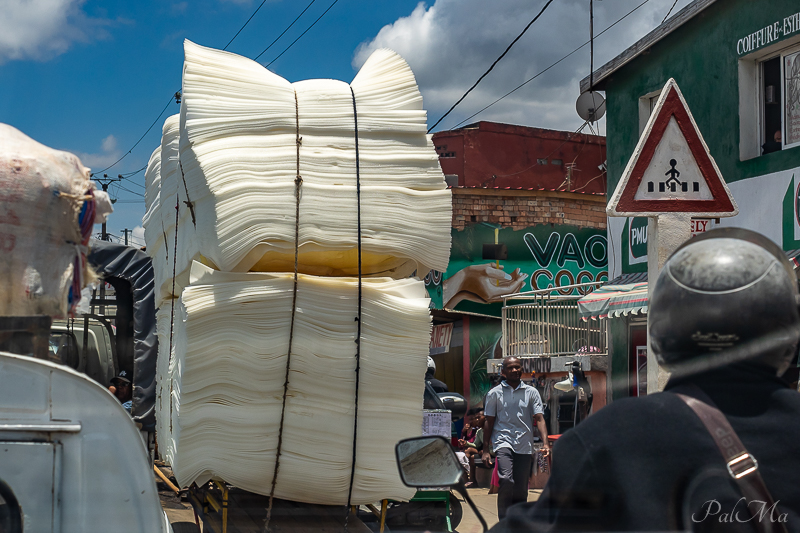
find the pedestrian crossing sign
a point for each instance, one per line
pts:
(671, 170)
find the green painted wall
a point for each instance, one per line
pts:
(539, 257)
(618, 348)
(484, 343)
(701, 56)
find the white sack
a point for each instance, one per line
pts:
(41, 194)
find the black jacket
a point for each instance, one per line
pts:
(438, 386)
(645, 464)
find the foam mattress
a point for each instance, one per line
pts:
(220, 394)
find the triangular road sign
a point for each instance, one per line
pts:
(671, 170)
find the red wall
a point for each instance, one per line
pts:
(495, 155)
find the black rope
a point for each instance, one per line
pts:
(172, 302)
(298, 181)
(358, 317)
(188, 202)
(166, 244)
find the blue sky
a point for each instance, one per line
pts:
(91, 76)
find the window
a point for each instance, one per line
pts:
(10, 515)
(769, 100)
(556, 162)
(791, 99)
(541, 161)
(646, 105)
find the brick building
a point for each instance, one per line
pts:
(541, 193)
(520, 209)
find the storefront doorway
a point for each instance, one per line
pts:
(637, 360)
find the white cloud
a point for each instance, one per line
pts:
(109, 144)
(42, 29)
(137, 236)
(451, 43)
(108, 154)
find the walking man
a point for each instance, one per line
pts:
(510, 410)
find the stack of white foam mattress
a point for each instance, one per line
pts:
(232, 155)
(227, 373)
(236, 136)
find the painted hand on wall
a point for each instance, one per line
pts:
(482, 284)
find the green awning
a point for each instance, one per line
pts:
(612, 301)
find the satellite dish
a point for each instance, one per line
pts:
(591, 106)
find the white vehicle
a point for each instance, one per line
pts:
(71, 458)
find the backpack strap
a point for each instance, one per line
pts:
(741, 464)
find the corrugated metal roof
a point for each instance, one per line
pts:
(662, 31)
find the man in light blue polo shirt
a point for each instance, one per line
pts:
(510, 411)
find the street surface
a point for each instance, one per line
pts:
(487, 505)
(181, 511)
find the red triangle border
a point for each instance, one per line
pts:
(721, 203)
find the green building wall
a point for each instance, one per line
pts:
(701, 56)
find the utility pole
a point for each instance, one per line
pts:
(125, 232)
(105, 181)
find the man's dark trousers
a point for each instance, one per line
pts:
(514, 470)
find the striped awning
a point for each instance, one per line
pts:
(611, 301)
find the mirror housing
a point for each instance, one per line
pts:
(427, 462)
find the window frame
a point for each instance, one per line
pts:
(751, 97)
(792, 50)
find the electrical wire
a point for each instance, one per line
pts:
(245, 24)
(171, 98)
(298, 38)
(521, 85)
(127, 190)
(670, 11)
(126, 154)
(284, 31)
(496, 61)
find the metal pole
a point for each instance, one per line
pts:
(104, 235)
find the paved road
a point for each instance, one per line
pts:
(178, 511)
(487, 505)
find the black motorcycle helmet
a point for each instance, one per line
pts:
(728, 295)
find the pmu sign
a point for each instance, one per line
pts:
(637, 236)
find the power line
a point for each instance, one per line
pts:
(245, 24)
(496, 61)
(312, 25)
(548, 68)
(176, 96)
(128, 190)
(140, 138)
(284, 31)
(670, 11)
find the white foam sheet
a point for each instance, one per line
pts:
(227, 375)
(238, 153)
(151, 221)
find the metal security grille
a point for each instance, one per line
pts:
(541, 323)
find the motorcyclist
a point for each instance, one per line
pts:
(438, 386)
(723, 319)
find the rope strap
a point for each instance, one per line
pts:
(298, 181)
(188, 201)
(172, 302)
(358, 316)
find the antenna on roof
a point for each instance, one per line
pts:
(591, 106)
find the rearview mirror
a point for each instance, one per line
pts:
(427, 462)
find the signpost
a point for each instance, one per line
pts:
(670, 178)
